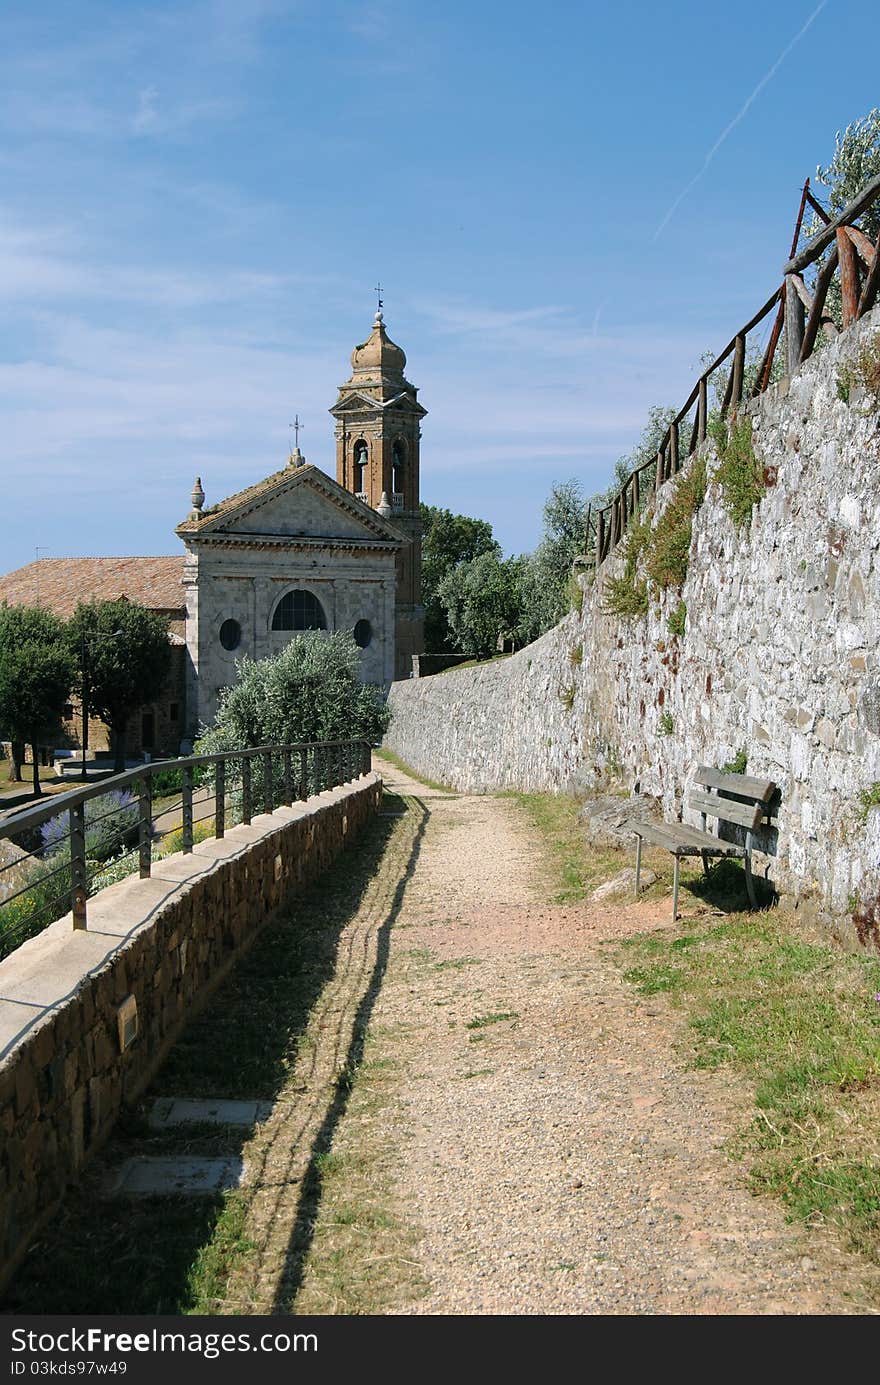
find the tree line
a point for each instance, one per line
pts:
(113, 654)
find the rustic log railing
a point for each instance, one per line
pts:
(800, 316)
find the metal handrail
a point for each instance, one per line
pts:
(289, 773)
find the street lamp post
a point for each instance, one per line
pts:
(83, 658)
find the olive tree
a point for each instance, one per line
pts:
(311, 691)
(37, 671)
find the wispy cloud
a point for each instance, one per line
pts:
(731, 125)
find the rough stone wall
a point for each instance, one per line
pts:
(779, 657)
(167, 941)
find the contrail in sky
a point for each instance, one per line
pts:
(737, 118)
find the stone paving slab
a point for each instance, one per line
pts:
(188, 1111)
(175, 1177)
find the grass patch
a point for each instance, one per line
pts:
(571, 869)
(494, 1017)
(801, 1019)
(390, 758)
(740, 474)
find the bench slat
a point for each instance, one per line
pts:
(743, 784)
(683, 839)
(728, 809)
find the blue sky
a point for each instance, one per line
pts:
(566, 206)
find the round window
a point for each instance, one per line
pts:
(363, 633)
(230, 634)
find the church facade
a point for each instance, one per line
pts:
(296, 551)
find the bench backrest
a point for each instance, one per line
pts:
(737, 798)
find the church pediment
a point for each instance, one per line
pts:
(355, 404)
(300, 502)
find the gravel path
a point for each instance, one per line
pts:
(557, 1156)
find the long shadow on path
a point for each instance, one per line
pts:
(309, 1206)
(170, 1254)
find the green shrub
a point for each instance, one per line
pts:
(740, 474)
(166, 782)
(666, 724)
(47, 899)
(311, 691)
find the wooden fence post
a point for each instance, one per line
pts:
(794, 325)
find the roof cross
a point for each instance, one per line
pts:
(378, 292)
(295, 425)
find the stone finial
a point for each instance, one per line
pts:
(197, 498)
(296, 458)
(384, 508)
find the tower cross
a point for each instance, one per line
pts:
(378, 292)
(295, 425)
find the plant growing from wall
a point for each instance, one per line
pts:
(627, 595)
(668, 551)
(676, 621)
(666, 724)
(868, 798)
(567, 695)
(739, 474)
(738, 764)
(864, 370)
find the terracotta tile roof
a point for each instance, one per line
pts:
(60, 583)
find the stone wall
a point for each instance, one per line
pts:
(167, 942)
(780, 657)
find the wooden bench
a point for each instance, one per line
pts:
(736, 798)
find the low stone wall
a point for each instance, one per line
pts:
(780, 658)
(166, 942)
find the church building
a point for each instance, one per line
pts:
(296, 551)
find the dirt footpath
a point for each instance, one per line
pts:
(551, 1148)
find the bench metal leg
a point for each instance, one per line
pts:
(677, 861)
(638, 863)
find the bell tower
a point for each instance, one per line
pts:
(378, 430)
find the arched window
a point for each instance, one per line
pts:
(398, 462)
(361, 464)
(299, 610)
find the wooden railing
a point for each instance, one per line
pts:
(800, 315)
